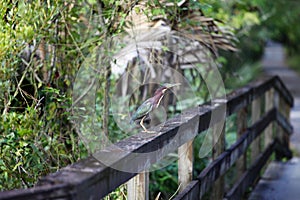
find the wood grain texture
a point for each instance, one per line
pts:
(92, 179)
(185, 164)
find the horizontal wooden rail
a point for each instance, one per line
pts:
(245, 95)
(224, 162)
(90, 179)
(248, 178)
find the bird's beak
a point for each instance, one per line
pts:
(169, 85)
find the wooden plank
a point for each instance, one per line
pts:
(136, 155)
(283, 91)
(284, 131)
(219, 166)
(57, 191)
(284, 123)
(239, 99)
(229, 157)
(242, 97)
(88, 178)
(261, 86)
(241, 164)
(280, 105)
(185, 164)
(284, 151)
(277, 130)
(138, 187)
(269, 104)
(259, 89)
(249, 177)
(255, 114)
(191, 191)
(93, 179)
(245, 95)
(287, 111)
(218, 149)
(284, 108)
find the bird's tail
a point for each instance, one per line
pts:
(133, 118)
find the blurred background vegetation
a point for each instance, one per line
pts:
(43, 44)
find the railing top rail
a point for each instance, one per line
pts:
(89, 176)
(245, 95)
(226, 160)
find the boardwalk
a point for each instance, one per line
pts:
(274, 64)
(282, 180)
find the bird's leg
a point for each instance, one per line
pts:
(142, 125)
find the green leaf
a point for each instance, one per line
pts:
(17, 165)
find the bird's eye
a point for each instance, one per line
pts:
(163, 24)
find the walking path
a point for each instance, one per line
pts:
(282, 180)
(274, 64)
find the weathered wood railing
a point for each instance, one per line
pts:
(89, 179)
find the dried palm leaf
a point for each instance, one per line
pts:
(157, 43)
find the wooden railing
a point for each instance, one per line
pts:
(89, 179)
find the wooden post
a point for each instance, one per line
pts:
(219, 148)
(255, 114)
(284, 109)
(287, 111)
(279, 104)
(241, 128)
(269, 104)
(138, 187)
(185, 164)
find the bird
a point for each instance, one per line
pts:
(150, 104)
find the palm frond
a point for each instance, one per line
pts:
(159, 42)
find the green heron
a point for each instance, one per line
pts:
(150, 104)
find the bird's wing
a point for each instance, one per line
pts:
(142, 110)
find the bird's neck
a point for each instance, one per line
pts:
(157, 103)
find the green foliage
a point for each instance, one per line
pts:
(282, 22)
(294, 62)
(43, 44)
(36, 135)
(20, 157)
(242, 76)
(118, 194)
(27, 152)
(164, 181)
